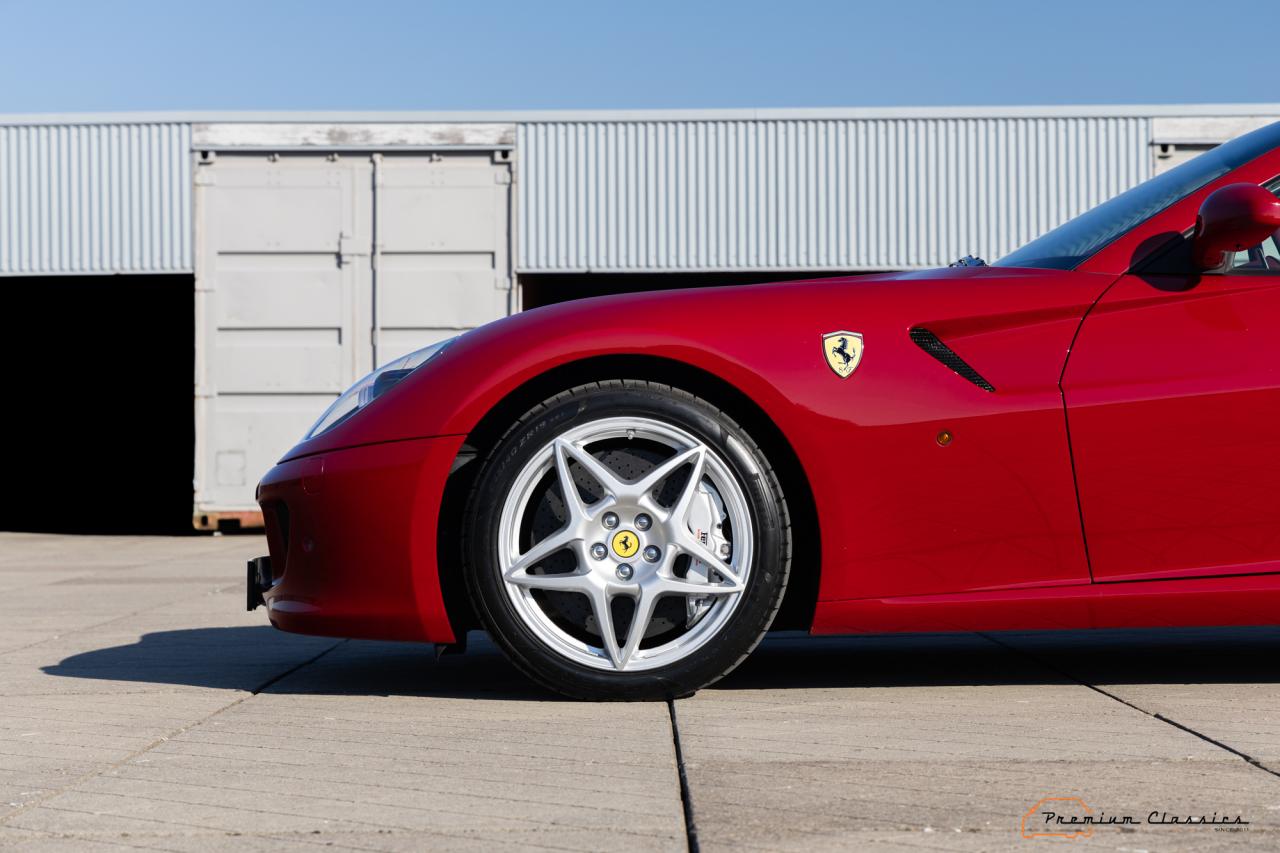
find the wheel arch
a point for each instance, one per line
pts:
(802, 588)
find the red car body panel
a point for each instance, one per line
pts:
(1172, 395)
(353, 541)
(984, 532)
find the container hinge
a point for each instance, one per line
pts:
(351, 247)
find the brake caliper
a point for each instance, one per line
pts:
(706, 521)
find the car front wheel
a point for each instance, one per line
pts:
(626, 540)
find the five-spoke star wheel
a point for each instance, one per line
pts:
(638, 538)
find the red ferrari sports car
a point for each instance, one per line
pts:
(628, 492)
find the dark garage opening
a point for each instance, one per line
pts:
(97, 431)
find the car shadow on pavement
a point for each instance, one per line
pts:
(1147, 656)
(262, 659)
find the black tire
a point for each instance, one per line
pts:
(771, 543)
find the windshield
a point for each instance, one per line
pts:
(1068, 245)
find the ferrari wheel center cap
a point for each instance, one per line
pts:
(625, 544)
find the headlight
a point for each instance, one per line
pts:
(374, 386)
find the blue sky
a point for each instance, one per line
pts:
(60, 56)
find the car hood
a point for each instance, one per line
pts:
(754, 336)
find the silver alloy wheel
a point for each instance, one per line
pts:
(718, 577)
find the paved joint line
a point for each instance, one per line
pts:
(288, 672)
(1155, 715)
(165, 738)
(686, 796)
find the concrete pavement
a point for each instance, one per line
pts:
(141, 707)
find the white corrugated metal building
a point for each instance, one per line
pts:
(315, 246)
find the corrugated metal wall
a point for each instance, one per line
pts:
(91, 198)
(618, 196)
(846, 194)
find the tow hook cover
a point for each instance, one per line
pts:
(258, 582)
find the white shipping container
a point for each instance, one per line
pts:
(312, 268)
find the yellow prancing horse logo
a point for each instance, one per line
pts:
(843, 351)
(626, 543)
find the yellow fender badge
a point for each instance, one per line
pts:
(843, 352)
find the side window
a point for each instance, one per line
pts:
(1263, 259)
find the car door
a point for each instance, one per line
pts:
(1172, 392)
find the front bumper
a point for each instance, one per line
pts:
(353, 541)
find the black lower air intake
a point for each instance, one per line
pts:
(930, 343)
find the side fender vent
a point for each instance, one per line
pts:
(930, 343)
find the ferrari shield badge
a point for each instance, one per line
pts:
(843, 351)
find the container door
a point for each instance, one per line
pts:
(311, 269)
(442, 237)
(283, 293)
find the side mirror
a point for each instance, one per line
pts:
(1233, 218)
